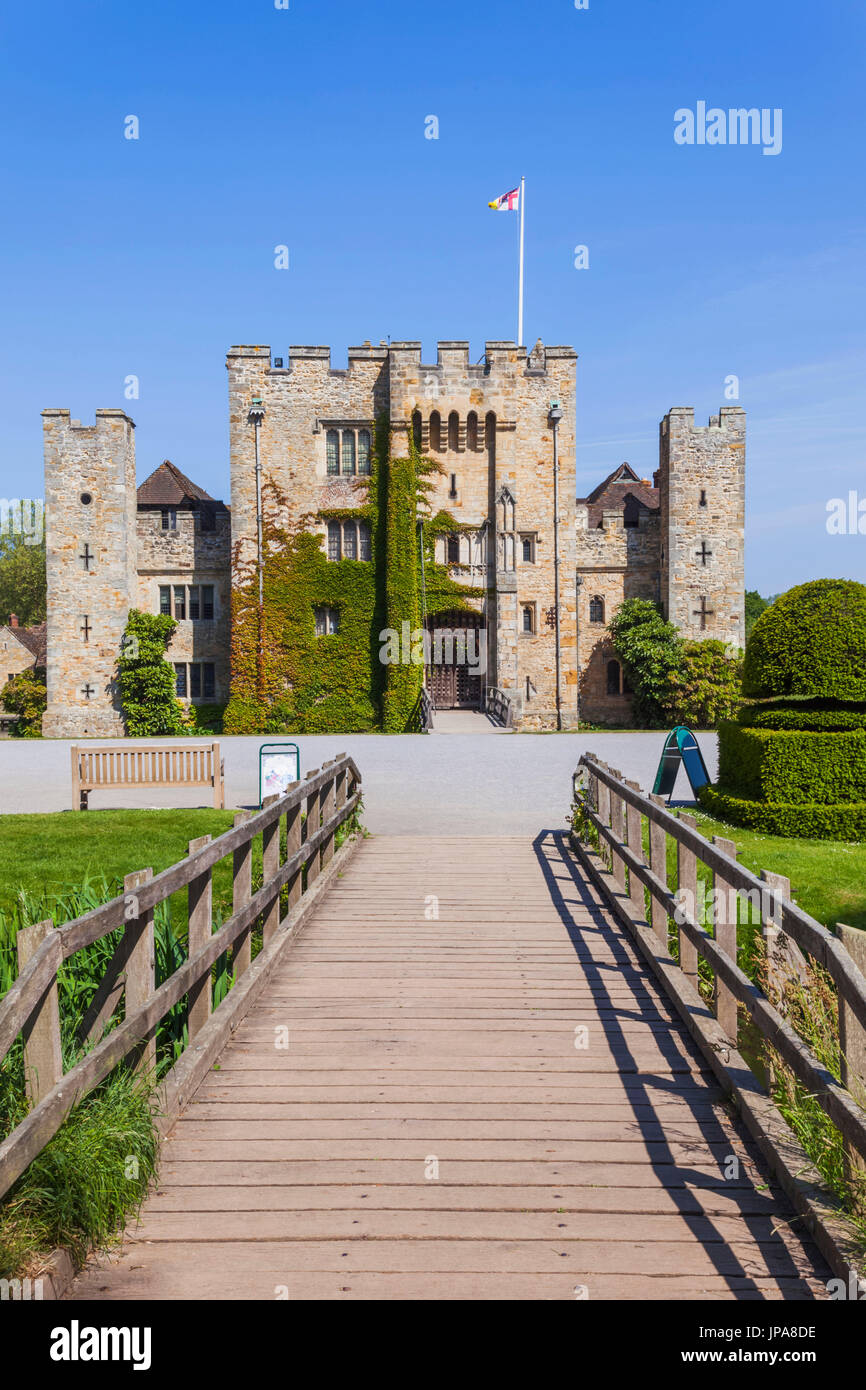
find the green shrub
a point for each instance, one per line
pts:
(705, 687)
(810, 642)
(784, 765)
(147, 680)
(814, 715)
(804, 820)
(25, 695)
(650, 650)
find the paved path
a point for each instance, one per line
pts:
(413, 785)
(432, 1131)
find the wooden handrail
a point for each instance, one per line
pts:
(836, 1101)
(809, 934)
(26, 999)
(92, 926)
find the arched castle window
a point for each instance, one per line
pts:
(436, 431)
(364, 446)
(472, 430)
(416, 428)
(453, 430)
(596, 610)
(348, 451)
(528, 617)
(613, 677)
(490, 437)
(333, 451)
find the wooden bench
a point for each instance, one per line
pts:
(171, 765)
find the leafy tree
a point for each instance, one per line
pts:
(675, 681)
(649, 648)
(26, 696)
(147, 680)
(22, 580)
(705, 687)
(755, 606)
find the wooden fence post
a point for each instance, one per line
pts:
(617, 825)
(242, 891)
(687, 886)
(293, 844)
(772, 936)
(725, 932)
(634, 820)
(200, 900)
(852, 1043)
(340, 786)
(604, 816)
(329, 806)
(270, 869)
(140, 963)
(43, 1059)
(313, 822)
(658, 856)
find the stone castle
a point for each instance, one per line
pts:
(168, 547)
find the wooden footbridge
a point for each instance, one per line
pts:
(457, 1068)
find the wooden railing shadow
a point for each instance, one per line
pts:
(644, 1087)
(609, 845)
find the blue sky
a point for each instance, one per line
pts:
(305, 127)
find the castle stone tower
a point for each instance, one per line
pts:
(90, 533)
(702, 503)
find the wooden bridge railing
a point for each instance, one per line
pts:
(617, 810)
(500, 706)
(329, 797)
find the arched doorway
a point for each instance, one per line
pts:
(457, 659)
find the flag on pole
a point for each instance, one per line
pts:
(509, 202)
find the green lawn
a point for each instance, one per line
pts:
(53, 853)
(828, 877)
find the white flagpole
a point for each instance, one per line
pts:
(520, 277)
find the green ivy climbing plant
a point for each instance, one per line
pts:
(308, 684)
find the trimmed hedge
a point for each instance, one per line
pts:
(793, 766)
(810, 642)
(806, 717)
(805, 820)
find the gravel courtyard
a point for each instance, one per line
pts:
(513, 784)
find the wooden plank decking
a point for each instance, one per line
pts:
(308, 1171)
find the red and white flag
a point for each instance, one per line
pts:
(509, 202)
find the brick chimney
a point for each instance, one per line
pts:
(13, 619)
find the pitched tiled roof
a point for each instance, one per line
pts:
(613, 493)
(168, 487)
(33, 638)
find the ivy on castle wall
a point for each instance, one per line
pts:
(308, 684)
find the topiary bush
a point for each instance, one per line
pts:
(792, 765)
(810, 643)
(796, 764)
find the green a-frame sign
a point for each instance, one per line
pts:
(681, 746)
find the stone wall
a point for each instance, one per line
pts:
(702, 563)
(188, 556)
(496, 475)
(90, 510)
(14, 656)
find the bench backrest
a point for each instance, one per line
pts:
(167, 765)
